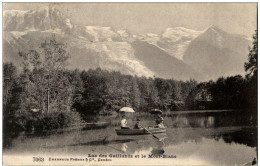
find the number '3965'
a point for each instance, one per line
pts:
(38, 159)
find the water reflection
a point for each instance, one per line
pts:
(246, 137)
(193, 121)
(158, 149)
(215, 139)
(209, 120)
(210, 145)
(213, 147)
(124, 147)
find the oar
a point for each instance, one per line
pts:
(150, 132)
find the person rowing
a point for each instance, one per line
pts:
(159, 122)
(124, 123)
(137, 125)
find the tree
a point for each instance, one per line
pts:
(9, 82)
(95, 91)
(251, 65)
(251, 78)
(44, 82)
(77, 84)
(165, 91)
(135, 95)
(11, 93)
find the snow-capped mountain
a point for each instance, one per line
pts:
(43, 19)
(102, 34)
(217, 53)
(89, 46)
(177, 53)
(173, 40)
(150, 38)
(176, 40)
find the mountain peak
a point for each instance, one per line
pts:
(180, 29)
(215, 32)
(43, 8)
(215, 28)
(40, 19)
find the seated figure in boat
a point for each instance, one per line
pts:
(159, 122)
(137, 125)
(124, 123)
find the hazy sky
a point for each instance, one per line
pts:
(237, 18)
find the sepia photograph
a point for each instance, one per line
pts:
(129, 83)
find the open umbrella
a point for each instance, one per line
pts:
(126, 109)
(156, 111)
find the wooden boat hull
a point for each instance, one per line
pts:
(139, 131)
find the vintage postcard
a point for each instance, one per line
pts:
(129, 84)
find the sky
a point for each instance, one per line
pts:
(238, 18)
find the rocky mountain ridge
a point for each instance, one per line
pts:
(177, 53)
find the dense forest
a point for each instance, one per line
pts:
(46, 95)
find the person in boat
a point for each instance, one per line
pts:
(159, 121)
(137, 125)
(124, 123)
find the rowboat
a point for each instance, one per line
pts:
(140, 131)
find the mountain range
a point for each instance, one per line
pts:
(178, 53)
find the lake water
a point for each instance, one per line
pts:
(212, 139)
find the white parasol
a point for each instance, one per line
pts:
(126, 109)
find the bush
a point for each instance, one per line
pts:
(54, 120)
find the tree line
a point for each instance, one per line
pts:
(233, 92)
(79, 94)
(46, 95)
